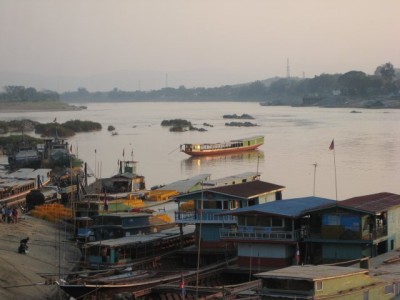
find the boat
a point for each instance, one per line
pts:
(137, 283)
(137, 249)
(15, 186)
(232, 146)
(58, 153)
(25, 155)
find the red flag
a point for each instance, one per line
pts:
(182, 283)
(332, 146)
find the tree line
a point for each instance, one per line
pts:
(385, 82)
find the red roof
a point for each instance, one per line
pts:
(373, 203)
(248, 189)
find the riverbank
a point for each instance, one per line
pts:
(20, 274)
(37, 106)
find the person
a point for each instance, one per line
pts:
(15, 215)
(23, 246)
(3, 214)
(104, 254)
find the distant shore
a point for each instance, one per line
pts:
(37, 106)
(22, 275)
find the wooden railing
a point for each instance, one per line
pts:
(259, 233)
(207, 216)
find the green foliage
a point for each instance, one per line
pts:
(66, 129)
(82, 126)
(16, 93)
(176, 123)
(8, 143)
(53, 130)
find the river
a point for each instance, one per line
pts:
(365, 160)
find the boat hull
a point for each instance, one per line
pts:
(221, 151)
(233, 146)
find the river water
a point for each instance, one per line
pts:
(296, 154)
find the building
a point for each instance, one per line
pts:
(323, 282)
(209, 203)
(364, 226)
(270, 235)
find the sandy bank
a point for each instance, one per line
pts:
(20, 275)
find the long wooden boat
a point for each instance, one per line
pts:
(136, 282)
(232, 146)
(15, 186)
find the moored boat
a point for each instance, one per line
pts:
(232, 146)
(15, 186)
(25, 156)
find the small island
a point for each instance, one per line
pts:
(179, 125)
(241, 124)
(235, 116)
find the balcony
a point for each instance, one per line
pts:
(259, 233)
(380, 231)
(208, 216)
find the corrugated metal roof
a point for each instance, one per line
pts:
(295, 207)
(231, 179)
(184, 186)
(248, 190)
(374, 203)
(311, 273)
(137, 239)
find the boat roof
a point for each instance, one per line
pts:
(6, 183)
(292, 208)
(231, 179)
(183, 186)
(230, 141)
(311, 272)
(27, 173)
(142, 239)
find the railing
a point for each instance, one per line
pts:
(376, 233)
(259, 233)
(208, 216)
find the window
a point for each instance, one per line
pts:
(277, 222)
(319, 286)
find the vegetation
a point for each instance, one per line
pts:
(9, 143)
(179, 125)
(82, 126)
(323, 90)
(235, 116)
(17, 126)
(16, 93)
(330, 89)
(241, 124)
(20, 98)
(110, 128)
(66, 129)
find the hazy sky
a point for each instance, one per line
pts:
(197, 43)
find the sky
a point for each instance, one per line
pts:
(151, 44)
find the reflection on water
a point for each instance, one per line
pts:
(203, 163)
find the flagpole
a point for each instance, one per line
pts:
(332, 147)
(315, 172)
(334, 162)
